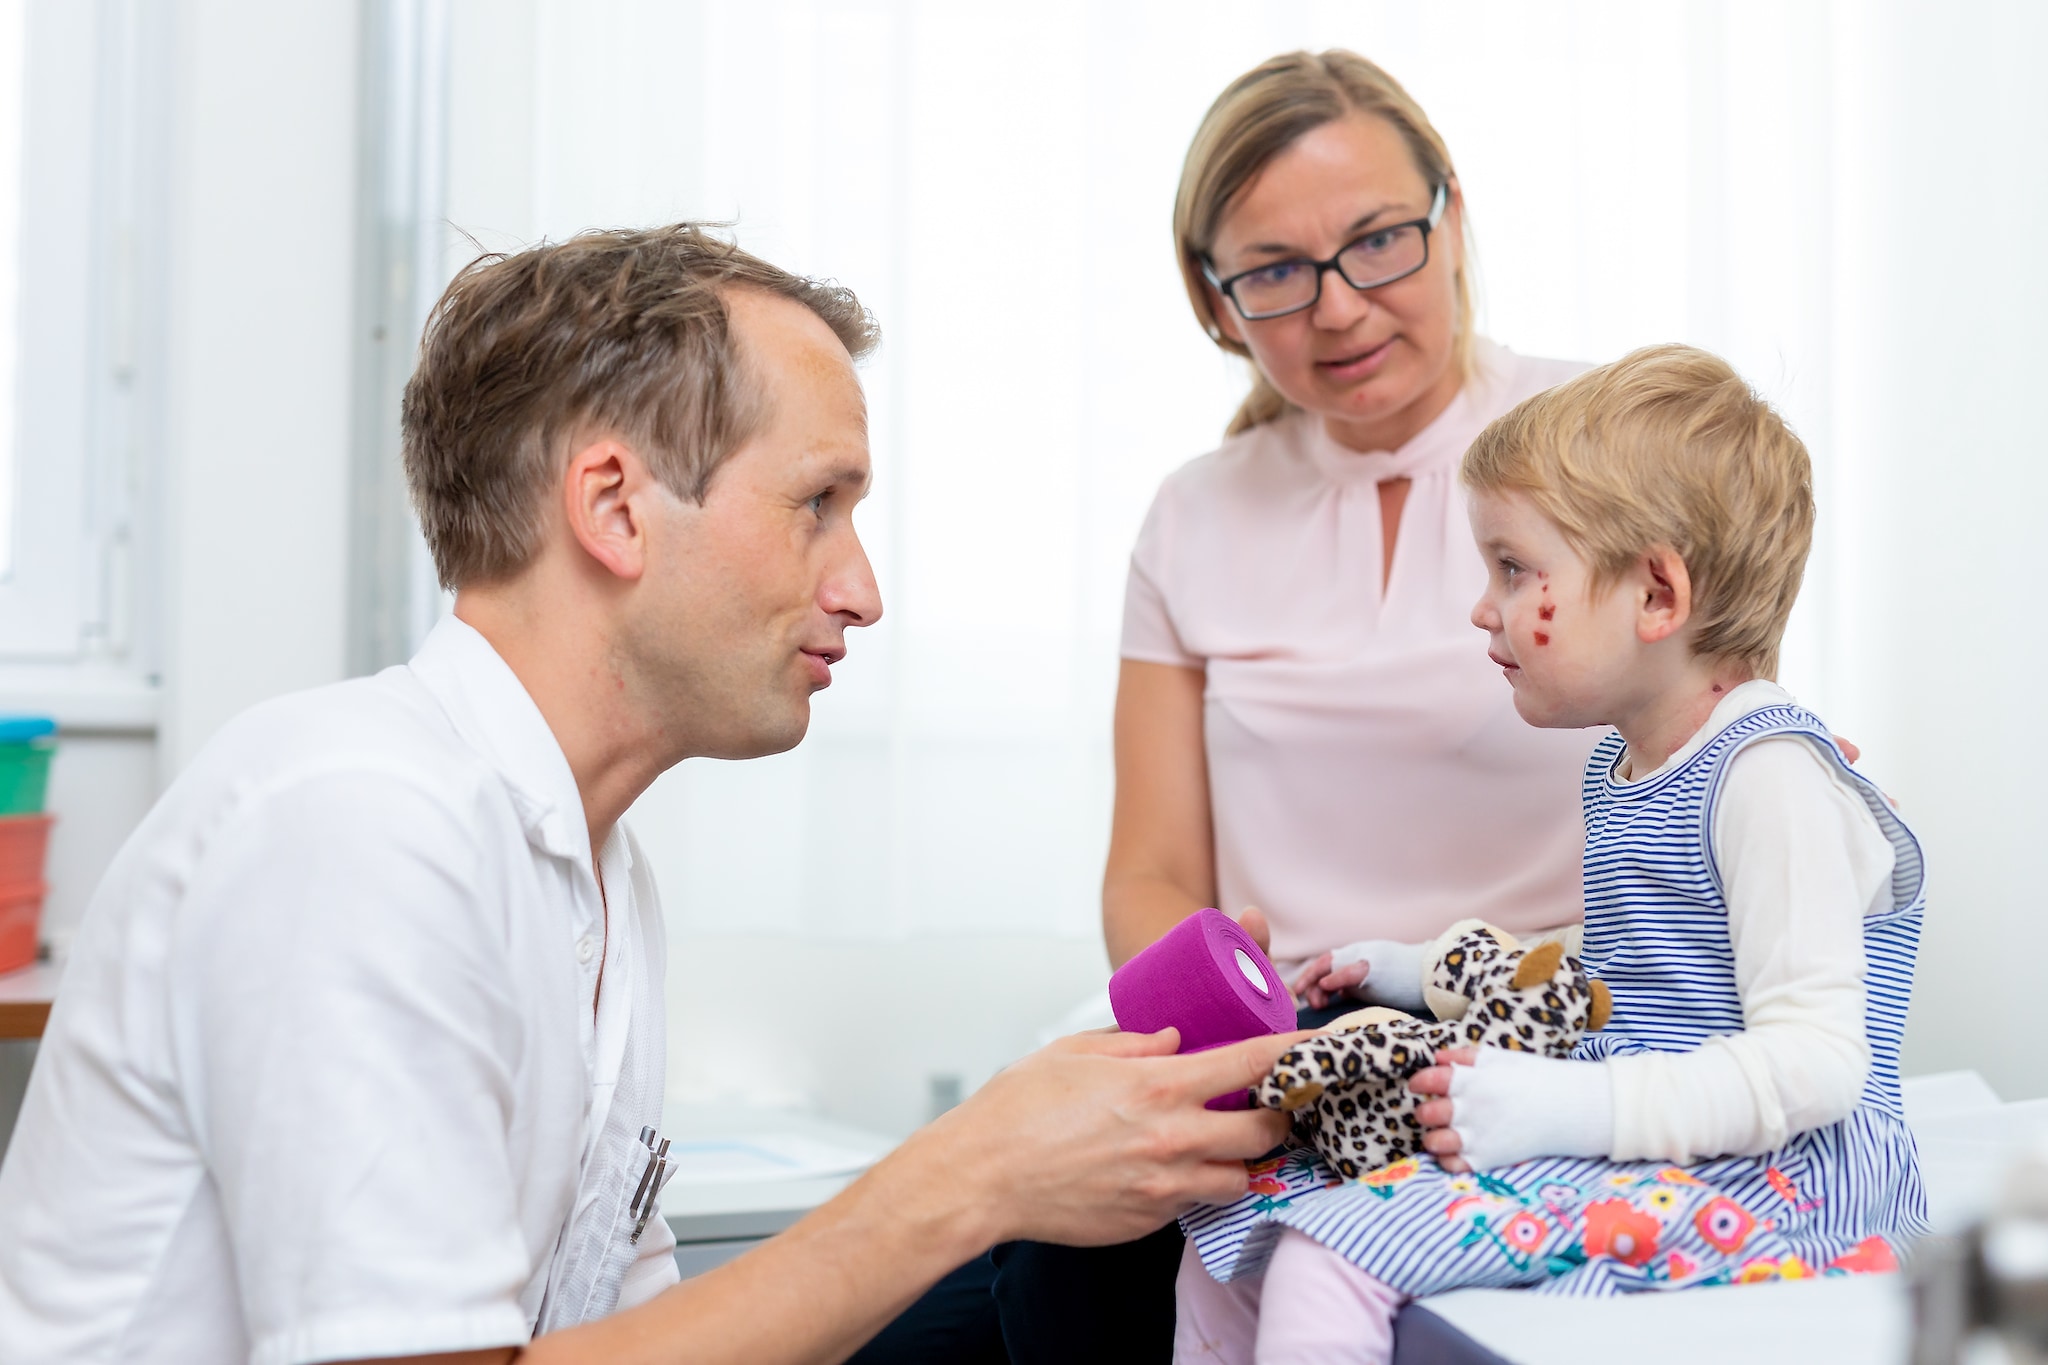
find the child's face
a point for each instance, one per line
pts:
(1568, 653)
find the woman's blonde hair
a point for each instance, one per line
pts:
(1667, 446)
(1261, 115)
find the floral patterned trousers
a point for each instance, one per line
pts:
(1565, 1225)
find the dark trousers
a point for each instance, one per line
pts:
(1032, 1302)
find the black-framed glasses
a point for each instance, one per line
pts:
(1378, 257)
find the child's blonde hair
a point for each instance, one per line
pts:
(1667, 446)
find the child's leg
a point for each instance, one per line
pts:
(1214, 1323)
(1318, 1307)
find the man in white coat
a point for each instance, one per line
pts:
(362, 1035)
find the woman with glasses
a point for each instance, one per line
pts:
(1306, 719)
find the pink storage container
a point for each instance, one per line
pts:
(24, 840)
(21, 914)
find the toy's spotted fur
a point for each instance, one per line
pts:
(1348, 1089)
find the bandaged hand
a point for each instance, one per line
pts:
(1376, 971)
(1493, 1107)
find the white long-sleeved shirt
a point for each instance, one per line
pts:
(1802, 862)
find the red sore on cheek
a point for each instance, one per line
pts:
(1541, 638)
(1546, 611)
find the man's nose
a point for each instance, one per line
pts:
(850, 589)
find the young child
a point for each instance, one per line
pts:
(1752, 903)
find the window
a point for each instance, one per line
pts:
(81, 176)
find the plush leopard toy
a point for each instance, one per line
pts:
(1348, 1087)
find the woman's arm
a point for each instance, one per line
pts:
(1162, 860)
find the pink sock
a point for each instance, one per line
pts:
(1214, 1324)
(1318, 1307)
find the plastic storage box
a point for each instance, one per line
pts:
(26, 746)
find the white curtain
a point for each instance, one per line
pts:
(996, 180)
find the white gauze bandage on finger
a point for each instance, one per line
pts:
(1512, 1106)
(1395, 977)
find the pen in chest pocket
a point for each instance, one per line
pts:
(651, 1180)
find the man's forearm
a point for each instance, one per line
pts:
(1094, 1139)
(812, 1294)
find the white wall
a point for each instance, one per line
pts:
(1945, 475)
(262, 294)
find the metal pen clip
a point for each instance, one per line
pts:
(648, 1192)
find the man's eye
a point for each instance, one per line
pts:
(818, 504)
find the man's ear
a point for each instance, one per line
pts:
(1664, 594)
(603, 492)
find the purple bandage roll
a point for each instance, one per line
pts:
(1208, 979)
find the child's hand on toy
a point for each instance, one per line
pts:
(1439, 1139)
(1321, 979)
(1511, 1106)
(1376, 971)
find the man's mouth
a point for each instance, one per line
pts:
(820, 662)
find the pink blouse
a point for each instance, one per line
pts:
(1368, 775)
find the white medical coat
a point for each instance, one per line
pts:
(329, 1074)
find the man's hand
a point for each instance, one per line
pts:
(1103, 1137)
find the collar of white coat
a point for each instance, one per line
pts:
(1440, 445)
(496, 716)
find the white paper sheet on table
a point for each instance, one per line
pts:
(770, 1156)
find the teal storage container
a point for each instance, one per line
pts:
(26, 746)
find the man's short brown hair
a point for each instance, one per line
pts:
(621, 330)
(1667, 446)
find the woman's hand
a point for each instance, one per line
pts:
(1439, 1139)
(1319, 982)
(1253, 921)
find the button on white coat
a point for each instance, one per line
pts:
(586, 949)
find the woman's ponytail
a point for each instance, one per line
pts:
(1262, 405)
